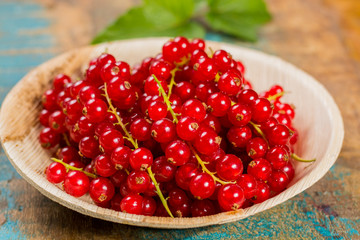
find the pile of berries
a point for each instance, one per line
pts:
(180, 134)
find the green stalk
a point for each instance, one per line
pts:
(74, 168)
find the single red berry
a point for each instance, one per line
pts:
(163, 130)
(278, 135)
(68, 154)
(239, 115)
(229, 167)
(148, 206)
(249, 185)
(141, 129)
(212, 122)
(163, 170)
(230, 83)
(278, 181)
(160, 69)
(202, 186)
(120, 157)
(157, 110)
(76, 183)
(256, 147)
(207, 141)
(177, 197)
(187, 128)
(110, 140)
(141, 159)
(204, 90)
(262, 193)
(75, 88)
(218, 104)
(60, 82)
(49, 100)
(261, 110)
(57, 121)
(138, 181)
(85, 127)
(172, 52)
(73, 110)
(205, 70)
(247, 97)
(49, 138)
(44, 117)
(177, 153)
(95, 110)
(116, 201)
(118, 178)
(101, 190)
(103, 127)
(118, 89)
(103, 166)
(88, 92)
(151, 87)
(55, 172)
(197, 43)
(185, 90)
(231, 197)
(222, 60)
(115, 69)
(193, 108)
(260, 168)
(89, 147)
(278, 157)
(132, 203)
(289, 170)
(239, 136)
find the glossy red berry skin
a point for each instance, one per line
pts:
(171, 51)
(132, 203)
(207, 141)
(49, 100)
(95, 110)
(197, 43)
(212, 122)
(229, 167)
(76, 183)
(116, 201)
(239, 115)
(49, 138)
(75, 88)
(141, 129)
(260, 168)
(230, 83)
(249, 185)
(113, 69)
(110, 140)
(60, 82)
(185, 90)
(177, 197)
(120, 157)
(231, 197)
(247, 97)
(141, 159)
(278, 181)
(103, 127)
(261, 110)
(148, 206)
(187, 128)
(202, 186)
(218, 104)
(85, 127)
(88, 92)
(55, 172)
(157, 110)
(163, 170)
(205, 70)
(118, 178)
(73, 110)
(239, 136)
(138, 181)
(256, 147)
(222, 60)
(278, 157)
(262, 193)
(184, 174)
(101, 190)
(151, 87)
(289, 170)
(57, 121)
(44, 117)
(177, 153)
(160, 69)
(103, 166)
(118, 89)
(68, 154)
(278, 135)
(89, 147)
(163, 130)
(193, 108)
(201, 208)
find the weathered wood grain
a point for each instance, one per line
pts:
(320, 36)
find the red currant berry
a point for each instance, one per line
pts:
(87, 93)
(120, 157)
(163, 130)
(103, 166)
(110, 140)
(262, 193)
(212, 122)
(160, 69)
(193, 108)
(95, 110)
(89, 147)
(247, 97)
(202, 186)
(138, 181)
(141, 159)
(157, 110)
(116, 201)
(163, 170)
(141, 129)
(229, 167)
(231, 197)
(201, 208)
(239, 136)
(49, 138)
(118, 89)
(76, 183)
(187, 128)
(197, 43)
(207, 141)
(132, 203)
(55, 172)
(278, 135)
(260, 168)
(101, 190)
(177, 153)
(57, 121)
(256, 147)
(204, 90)
(118, 178)
(44, 117)
(289, 170)
(185, 90)
(239, 115)
(60, 82)
(68, 154)
(230, 83)
(49, 100)
(278, 157)
(222, 60)
(184, 174)
(148, 206)
(261, 110)
(249, 185)
(278, 181)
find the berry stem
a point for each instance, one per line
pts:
(299, 159)
(112, 109)
(166, 100)
(202, 164)
(276, 96)
(74, 168)
(172, 80)
(257, 129)
(158, 191)
(66, 139)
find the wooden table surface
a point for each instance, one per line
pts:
(320, 36)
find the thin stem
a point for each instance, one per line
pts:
(257, 129)
(172, 81)
(74, 168)
(112, 109)
(276, 96)
(66, 139)
(299, 159)
(158, 191)
(202, 164)
(166, 100)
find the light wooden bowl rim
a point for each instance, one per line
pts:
(57, 195)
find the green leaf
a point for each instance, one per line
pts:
(240, 18)
(166, 13)
(134, 24)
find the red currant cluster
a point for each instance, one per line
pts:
(180, 134)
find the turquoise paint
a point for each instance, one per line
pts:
(214, 36)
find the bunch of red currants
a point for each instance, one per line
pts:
(180, 134)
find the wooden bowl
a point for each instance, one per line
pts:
(317, 118)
